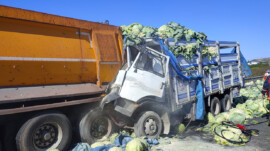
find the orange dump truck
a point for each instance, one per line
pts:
(53, 72)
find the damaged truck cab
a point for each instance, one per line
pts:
(149, 96)
(139, 87)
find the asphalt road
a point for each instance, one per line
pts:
(192, 140)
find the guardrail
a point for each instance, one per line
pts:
(253, 78)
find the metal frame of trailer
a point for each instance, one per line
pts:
(226, 74)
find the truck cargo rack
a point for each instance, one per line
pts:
(225, 73)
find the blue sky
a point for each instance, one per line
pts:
(245, 21)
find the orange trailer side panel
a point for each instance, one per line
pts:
(36, 53)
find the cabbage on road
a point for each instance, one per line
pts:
(253, 107)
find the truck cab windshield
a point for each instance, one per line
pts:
(151, 63)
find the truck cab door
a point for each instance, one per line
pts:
(146, 76)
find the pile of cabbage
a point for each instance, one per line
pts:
(135, 33)
(253, 107)
(252, 90)
(130, 143)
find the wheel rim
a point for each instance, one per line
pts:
(99, 127)
(47, 136)
(150, 126)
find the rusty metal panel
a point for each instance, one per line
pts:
(109, 55)
(107, 47)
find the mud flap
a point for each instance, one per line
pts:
(200, 106)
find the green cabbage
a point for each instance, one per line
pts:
(113, 137)
(219, 118)
(97, 144)
(255, 106)
(53, 150)
(137, 144)
(115, 149)
(210, 117)
(181, 128)
(135, 33)
(238, 118)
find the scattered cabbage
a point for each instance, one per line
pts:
(181, 128)
(137, 144)
(133, 135)
(106, 142)
(237, 118)
(254, 106)
(210, 118)
(97, 144)
(115, 149)
(113, 137)
(219, 118)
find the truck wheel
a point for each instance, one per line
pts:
(226, 103)
(148, 124)
(46, 131)
(215, 106)
(95, 125)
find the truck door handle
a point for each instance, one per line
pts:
(161, 85)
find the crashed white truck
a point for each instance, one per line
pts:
(150, 96)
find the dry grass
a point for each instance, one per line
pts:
(259, 70)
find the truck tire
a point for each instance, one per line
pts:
(49, 130)
(215, 107)
(95, 125)
(148, 124)
(226, 104)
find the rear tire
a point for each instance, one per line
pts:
(95, 125)
(50, 130)
(148, 124)
(226, 104)
(215, 107)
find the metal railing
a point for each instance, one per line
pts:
(252, 79)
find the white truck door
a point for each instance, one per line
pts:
(146, 77)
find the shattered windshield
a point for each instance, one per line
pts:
(150, 63)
